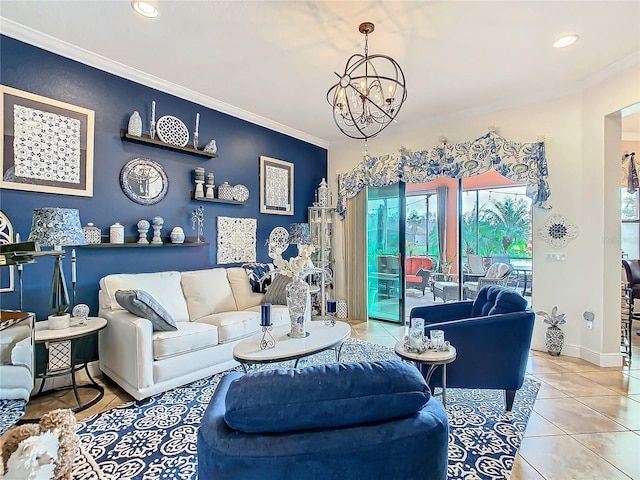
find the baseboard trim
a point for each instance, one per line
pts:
(599, 359)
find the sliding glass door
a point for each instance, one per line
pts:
(386, 250)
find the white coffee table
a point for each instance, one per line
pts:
(433, 359)
(321, 337)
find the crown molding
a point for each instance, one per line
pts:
(38, 39)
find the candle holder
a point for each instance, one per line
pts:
(152, 125)
(330, 318)
(197, 218)
(267, 339)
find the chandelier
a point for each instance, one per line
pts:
(369, 94)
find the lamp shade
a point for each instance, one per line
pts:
(57, 226)
(299, 234)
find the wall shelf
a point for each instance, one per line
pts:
(159, 143)
(218, 200)
(131, 242)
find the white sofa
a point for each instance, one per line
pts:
(16, 361)
(213, 310)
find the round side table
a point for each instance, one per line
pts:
(75, 337)
(433, 359)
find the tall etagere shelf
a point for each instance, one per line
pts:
(321, 223)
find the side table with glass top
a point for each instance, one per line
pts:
(432, 358)
(77, 336)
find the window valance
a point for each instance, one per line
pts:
(516, 161)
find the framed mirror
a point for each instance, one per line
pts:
(144, 181)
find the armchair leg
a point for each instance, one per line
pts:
(509, 396)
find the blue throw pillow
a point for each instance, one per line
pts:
(256, 273)
(324, 396)
(508, 301)
(496, 299)
(143, 305)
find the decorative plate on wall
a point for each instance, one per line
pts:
(240, 193)
(557, 232)
(171, 130)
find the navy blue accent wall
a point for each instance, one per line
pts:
(240, 145)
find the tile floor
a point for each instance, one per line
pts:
(585, 424)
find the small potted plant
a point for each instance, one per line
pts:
(553, 336)
(58, 300)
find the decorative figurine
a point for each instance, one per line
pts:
(157, 226)
(210, 185)
(197, 218)
(135, 125)
(143, 228)
(211, 147)
(199, 171)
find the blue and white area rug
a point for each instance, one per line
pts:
(156, 438)
(10, 412)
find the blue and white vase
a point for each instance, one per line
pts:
(299, 305)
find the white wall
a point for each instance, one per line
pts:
(584, 186)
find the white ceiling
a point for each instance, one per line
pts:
(272, 62)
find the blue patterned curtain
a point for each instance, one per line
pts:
(520, 162)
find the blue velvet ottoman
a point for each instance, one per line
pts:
(360, 420)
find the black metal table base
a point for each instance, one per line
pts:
(93, 385)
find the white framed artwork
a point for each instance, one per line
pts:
(276, 186)
(47, 144)
(236, 240)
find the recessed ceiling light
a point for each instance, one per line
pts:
(146, 9)
(565, 40)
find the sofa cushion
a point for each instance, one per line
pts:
(143, 305)
(277, 291)
(163, 286)
(233, 325)
(244, 297)
(189, 336)
(324, 396)
(207, 291)
(496, 299)
(258, 278)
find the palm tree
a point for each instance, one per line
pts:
(509, 218)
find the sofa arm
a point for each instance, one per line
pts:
(22, 353)
(125, 347)
(442, 312)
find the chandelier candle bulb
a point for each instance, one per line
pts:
(266, 314)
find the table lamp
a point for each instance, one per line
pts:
(299, 234)
(58, 227)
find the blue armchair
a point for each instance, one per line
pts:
(492, 336)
